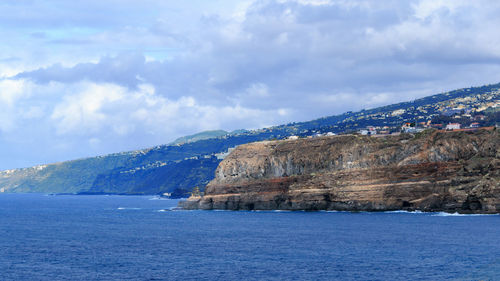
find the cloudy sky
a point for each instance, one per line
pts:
(84, 78)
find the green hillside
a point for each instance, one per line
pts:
(199, 136)
(192, 160)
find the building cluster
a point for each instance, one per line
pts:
(466, 111)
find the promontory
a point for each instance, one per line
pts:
(428, 171)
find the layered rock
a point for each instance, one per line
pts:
(431, 171)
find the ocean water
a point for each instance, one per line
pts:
(138, 238)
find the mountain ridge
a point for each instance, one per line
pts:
(87, 174)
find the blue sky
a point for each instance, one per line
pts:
(85, 78)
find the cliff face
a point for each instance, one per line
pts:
(433, 171)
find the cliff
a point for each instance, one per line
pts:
(430, 171)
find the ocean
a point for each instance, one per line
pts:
(66, 237)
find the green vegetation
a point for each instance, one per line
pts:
(200, 136)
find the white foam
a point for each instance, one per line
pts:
(159, 198)
(444, 214)
(124, 208)
(404, 212)
(171, 209)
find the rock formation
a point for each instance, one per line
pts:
(430, 171)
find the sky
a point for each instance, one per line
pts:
(87, 78)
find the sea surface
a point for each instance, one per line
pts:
(45, 237)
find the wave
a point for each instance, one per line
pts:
(444, 214)
(404, 212)
(159, 198)
(171, 209)
(437, 214)
(126, 208)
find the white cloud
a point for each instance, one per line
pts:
(108, 109)
(83, 111)
(12, 90)
(136, 75)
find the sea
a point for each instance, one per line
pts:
(70, 237)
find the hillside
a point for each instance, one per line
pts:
(178, 168)
(199, 136)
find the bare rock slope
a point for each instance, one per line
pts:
(431, 171)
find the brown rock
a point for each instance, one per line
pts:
(431, 171)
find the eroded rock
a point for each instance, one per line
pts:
(433, 171)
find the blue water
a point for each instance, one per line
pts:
(131, 238)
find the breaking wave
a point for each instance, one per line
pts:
(444, 214)
(169, 209)
(404, 212)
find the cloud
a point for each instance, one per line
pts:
(133, 75)
(121, 70)
(11, 90)
(83, 113)
(85, 118)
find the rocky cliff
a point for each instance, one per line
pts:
(430, 171)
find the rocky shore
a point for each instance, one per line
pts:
(430, 171)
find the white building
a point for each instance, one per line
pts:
(370, 130)
(453, 126)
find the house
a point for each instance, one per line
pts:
(398, 112)
(408, 128)
(411, 128)
(479, 117)
(370, 130)
(474, 125)
(453, 126)
(451, 112)
(364, 132)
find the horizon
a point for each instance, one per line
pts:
(118, 78)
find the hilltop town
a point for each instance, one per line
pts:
(464, 109)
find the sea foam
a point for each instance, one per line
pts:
(444, 214)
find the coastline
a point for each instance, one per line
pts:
(452, 172)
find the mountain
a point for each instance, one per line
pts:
(178, 168)
(199, 136)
